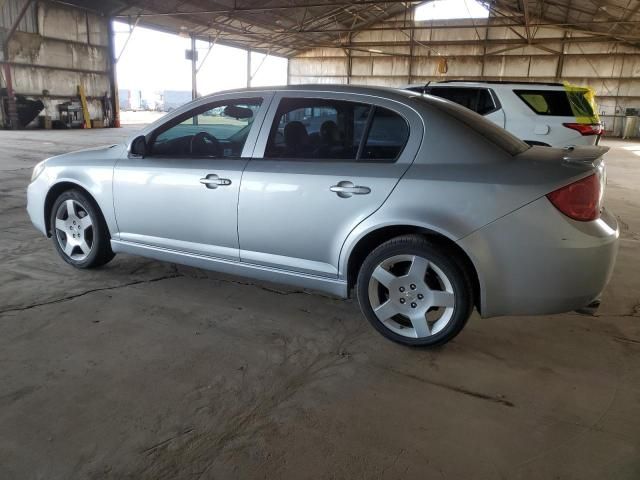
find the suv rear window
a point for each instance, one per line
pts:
(556, 103)
(486, 128)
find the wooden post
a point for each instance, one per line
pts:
(86, 118)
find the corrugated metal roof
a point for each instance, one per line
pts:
(288, 27)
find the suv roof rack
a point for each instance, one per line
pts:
(550, 84)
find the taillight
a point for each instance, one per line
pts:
(585, 129)
(579, 200)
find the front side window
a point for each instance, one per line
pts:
(218, 130)
(477, 99)
(420, 89)
(486, 103)
(462, 96)
(320, 129)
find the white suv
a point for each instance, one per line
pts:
(538, 113)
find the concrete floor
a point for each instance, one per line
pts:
(150, 370)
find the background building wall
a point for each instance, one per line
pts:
(435, 52)
(55, 49)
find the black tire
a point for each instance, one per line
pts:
(97, 235)
(446, 261)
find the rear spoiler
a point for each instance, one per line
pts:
(584, 155)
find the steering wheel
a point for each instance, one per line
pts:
(203, 143)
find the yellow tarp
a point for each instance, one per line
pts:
(583, 103)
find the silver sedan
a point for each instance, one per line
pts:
(423, 208)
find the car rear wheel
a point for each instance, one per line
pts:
(79, 231)
(415, 292)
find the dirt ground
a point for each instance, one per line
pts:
(148, 370)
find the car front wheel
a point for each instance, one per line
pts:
(415, 292)
(79, 231)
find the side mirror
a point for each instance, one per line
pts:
(138, 147)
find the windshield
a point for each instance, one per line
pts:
(486, 128)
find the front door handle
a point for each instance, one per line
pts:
(345, 189)
(213, 181)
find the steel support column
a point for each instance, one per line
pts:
(12, 112)
(248, 68)
(288, 71)
(194, 68)
(113, 77)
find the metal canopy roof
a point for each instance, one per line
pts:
(288, 27)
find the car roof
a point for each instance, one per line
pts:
(505, 82)
(386, 92)
(492, 84)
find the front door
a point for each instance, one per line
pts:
(183, 195)
(323, 163)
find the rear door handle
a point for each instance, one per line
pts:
(346, 189)
(213, 181)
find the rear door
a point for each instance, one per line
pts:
(323, 163)
(479, 99)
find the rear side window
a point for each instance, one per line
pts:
(322, 129)
(555, 103)
(479, 100)
(486, 128)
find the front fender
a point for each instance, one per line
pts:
(91, 171)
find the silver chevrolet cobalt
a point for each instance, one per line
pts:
(421, 206)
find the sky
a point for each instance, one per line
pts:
(448, 9)
(154, 61)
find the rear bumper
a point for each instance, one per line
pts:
(537, 261)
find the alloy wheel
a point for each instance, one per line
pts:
(74, 230)
(411, 296)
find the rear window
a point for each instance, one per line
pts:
(557, 103)
(489, 130)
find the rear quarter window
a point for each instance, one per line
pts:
(388, 134)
